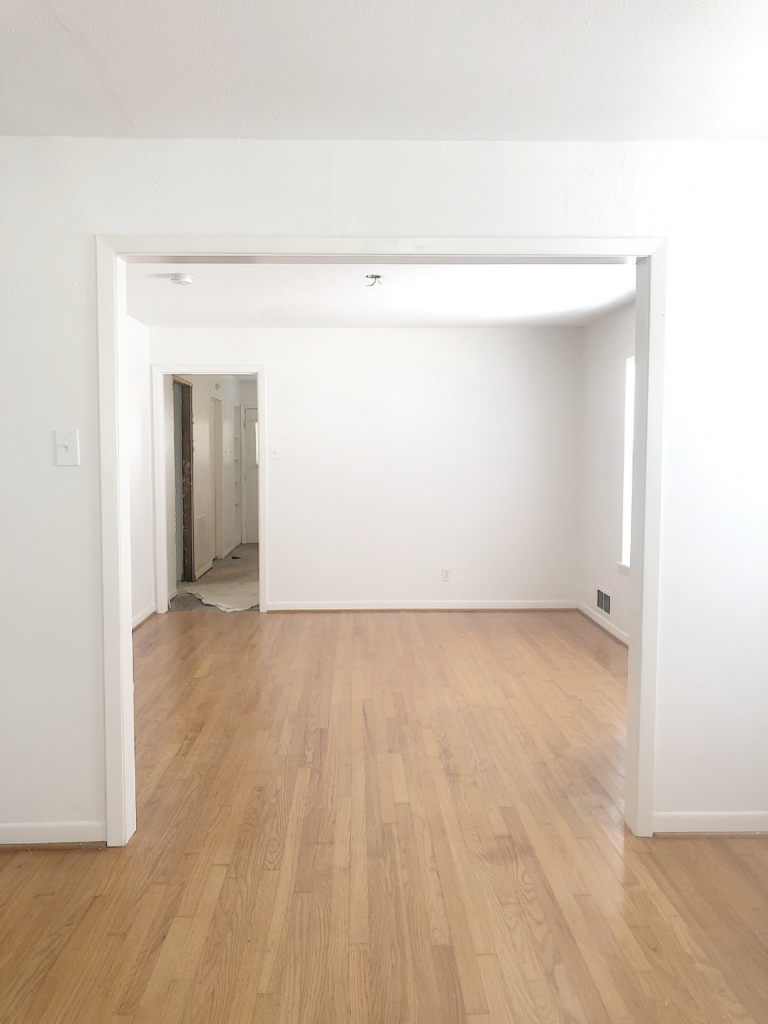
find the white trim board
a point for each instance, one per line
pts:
(710, 821)
(28, 832)
(604, 621)
(112, 254)
(421, 605)
(357, 248)
(117, 651)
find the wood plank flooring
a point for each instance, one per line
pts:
(384, 818)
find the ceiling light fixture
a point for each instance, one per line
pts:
(374, 279)
(181, 279)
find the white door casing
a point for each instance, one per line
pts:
(112, 252)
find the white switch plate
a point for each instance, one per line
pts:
(274, 451)
(446, 575)
(67, 447)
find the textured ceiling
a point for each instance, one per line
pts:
(400, 69)
(332, 295)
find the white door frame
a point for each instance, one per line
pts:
(159, 442)
(112, 254)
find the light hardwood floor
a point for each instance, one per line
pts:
(384, 818)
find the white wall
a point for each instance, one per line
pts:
(135, 410)
(707, 199)
(404, 451)
(607, 344)
(249, 400)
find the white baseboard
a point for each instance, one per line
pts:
(426, 605)
(710, 821)
(203, 571)
(231, 549)
(138, 619)
(605, 622)
(30, 832)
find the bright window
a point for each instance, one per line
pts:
(629, 444)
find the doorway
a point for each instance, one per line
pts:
(183, 470)
(203, 415)
(649, 254)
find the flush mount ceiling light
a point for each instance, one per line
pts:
(374, 279)
(181, 278)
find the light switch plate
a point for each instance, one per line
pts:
(67, 447)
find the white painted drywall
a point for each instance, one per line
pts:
(338, 71)
(135, 410)
(607, 344)
(709, 200)
(407, 294)
(250, 414)
(404, 451)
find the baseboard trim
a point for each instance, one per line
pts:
(143, 616)
(710, 821)
(230, 549)
(34, 832)
(203, 571)
(601, 620)
(374, 606)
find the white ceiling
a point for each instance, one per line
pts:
(331, 295)
(399, 69)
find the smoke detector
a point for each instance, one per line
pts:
(181, 279)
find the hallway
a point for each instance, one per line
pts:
(232, 580)
(384, 818)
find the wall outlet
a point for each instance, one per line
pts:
(446, 575)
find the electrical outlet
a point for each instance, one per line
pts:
(446, 575)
